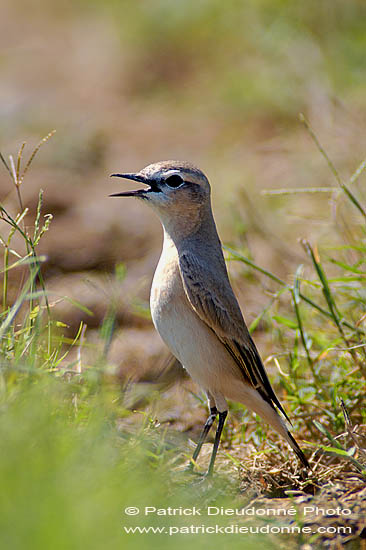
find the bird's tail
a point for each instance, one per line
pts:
(279, 424)
(292, 441)
(266, 409)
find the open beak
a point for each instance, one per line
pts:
(134, 177)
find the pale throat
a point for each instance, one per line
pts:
(178, 226)
(180, 223)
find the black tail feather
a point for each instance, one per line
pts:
(298, 451)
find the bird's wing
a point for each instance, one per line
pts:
(213, 299)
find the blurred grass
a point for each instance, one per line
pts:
(68, 472)
(260, 61)
(258, 58)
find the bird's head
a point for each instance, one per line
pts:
(178, 191)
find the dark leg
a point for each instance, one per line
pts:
(206, 429)
(222, 418)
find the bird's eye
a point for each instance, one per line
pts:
(174, 181)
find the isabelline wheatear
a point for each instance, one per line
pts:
(193, 306)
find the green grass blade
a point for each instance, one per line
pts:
(333, 169)
(237, 256)
(296, 304)
(234, 255)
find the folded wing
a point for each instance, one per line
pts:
(213, 299)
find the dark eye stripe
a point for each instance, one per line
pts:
(174, 181)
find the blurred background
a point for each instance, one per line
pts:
(220, 84)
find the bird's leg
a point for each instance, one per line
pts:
(222, 418)
(204, 433)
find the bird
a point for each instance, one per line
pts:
(193, 305)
